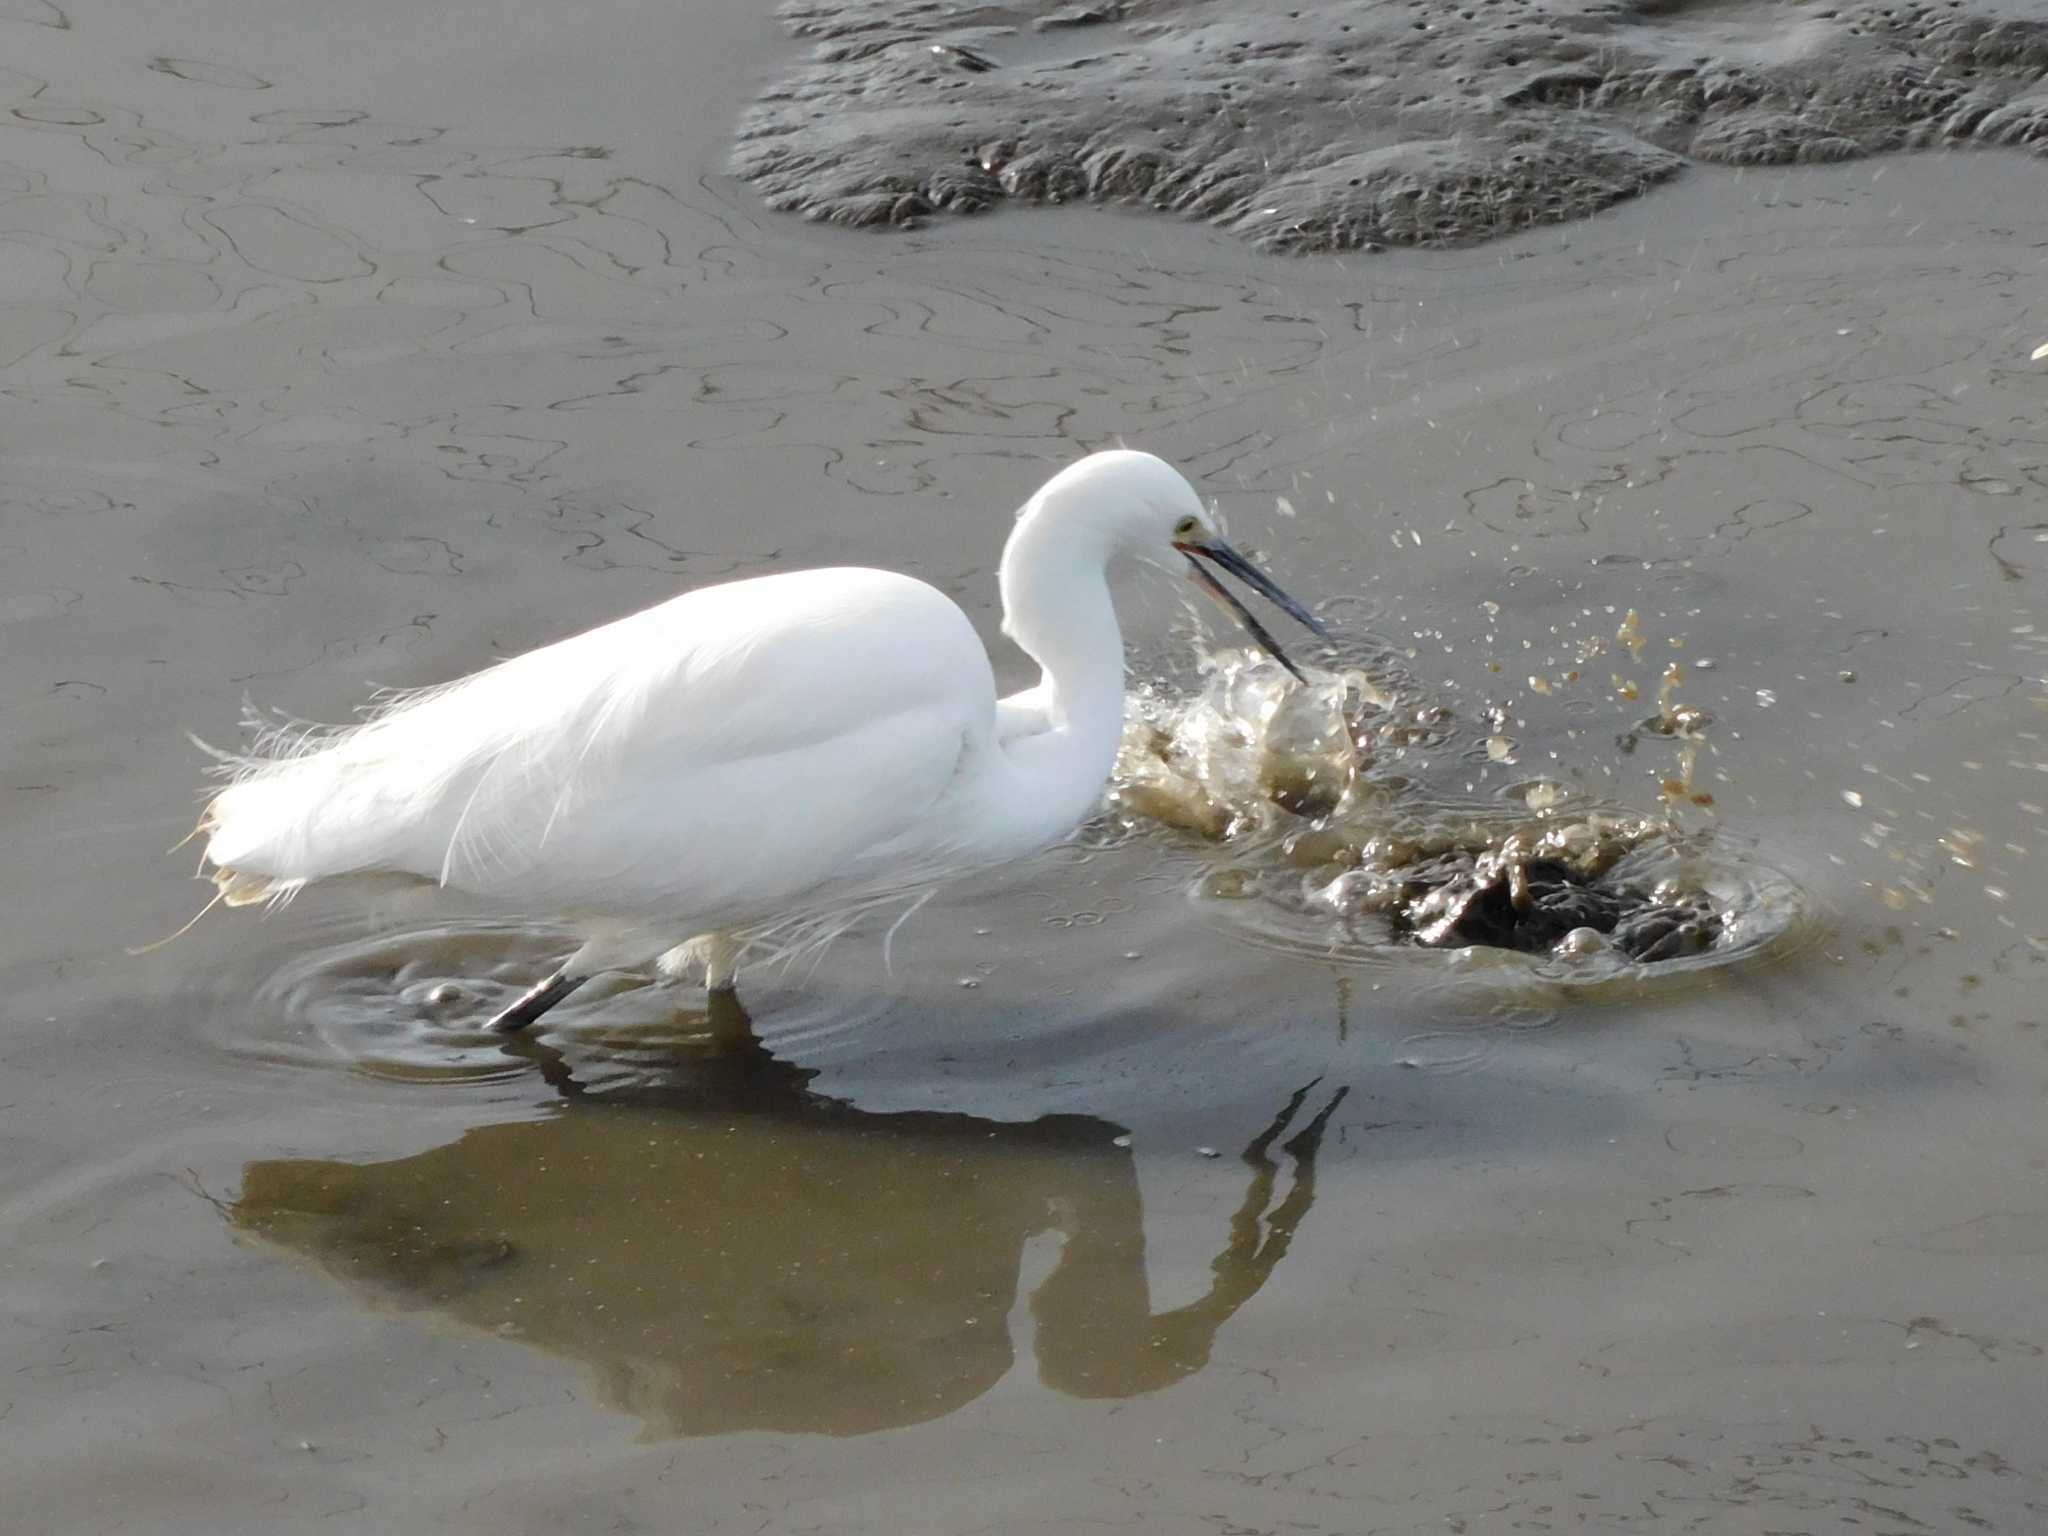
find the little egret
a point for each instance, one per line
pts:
(746, 761)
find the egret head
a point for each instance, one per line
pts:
(1148, 509)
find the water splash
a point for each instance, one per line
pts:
(1322, 832)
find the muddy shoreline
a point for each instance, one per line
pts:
(1360, 124)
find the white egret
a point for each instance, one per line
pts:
(746, 760)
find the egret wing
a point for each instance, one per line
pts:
(717, 755)
(722, 754)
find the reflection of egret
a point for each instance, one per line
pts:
(734, 1252)
(753, 762)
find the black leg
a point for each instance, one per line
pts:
(536, 1002)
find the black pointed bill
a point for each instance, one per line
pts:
(1226, 558)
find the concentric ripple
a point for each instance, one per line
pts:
(413, 1003)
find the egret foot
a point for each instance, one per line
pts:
(714, 956)
(536, 1002)
(721, 963)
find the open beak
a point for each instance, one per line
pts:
(1220, 554)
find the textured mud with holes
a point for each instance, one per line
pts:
(1334, 124)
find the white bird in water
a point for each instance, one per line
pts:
(757, 758)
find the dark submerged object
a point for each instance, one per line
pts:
(1530, 907)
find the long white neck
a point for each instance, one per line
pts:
(1056, 606)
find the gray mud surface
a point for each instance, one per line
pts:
(1140, 1187)
(1309, 125)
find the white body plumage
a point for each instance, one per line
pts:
(741, 757)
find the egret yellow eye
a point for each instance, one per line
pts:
(1185, 528)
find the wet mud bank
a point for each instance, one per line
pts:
(1308, 125)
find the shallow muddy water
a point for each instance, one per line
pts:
(1147, 1183)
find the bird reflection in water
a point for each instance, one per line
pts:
(731, 1251)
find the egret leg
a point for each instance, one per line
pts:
(536, 1002)
(721, 963)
